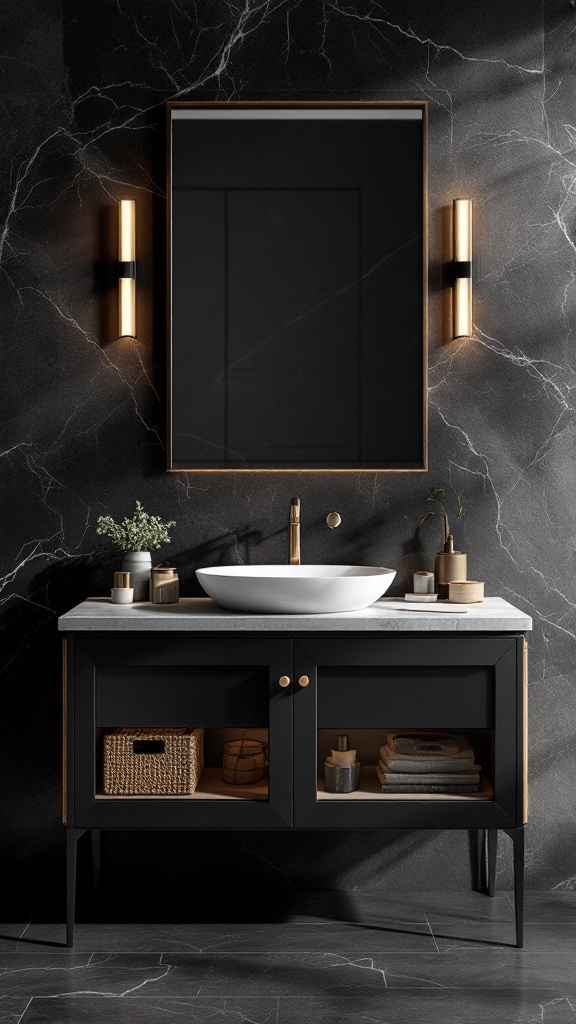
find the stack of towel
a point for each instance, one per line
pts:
(427, 762)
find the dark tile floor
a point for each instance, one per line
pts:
(303, 958)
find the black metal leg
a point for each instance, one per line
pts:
(517, 837)
(95, 836)
(492, 834)
(72, 837)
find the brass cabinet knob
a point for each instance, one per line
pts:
(304, 680)
(284, 681)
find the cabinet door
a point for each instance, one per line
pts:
(365, 688)
(228, 687)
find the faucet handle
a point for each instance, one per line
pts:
(294, 510)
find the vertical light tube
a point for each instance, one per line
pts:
(462, 257)
(126, 268)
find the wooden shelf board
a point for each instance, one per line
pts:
(210, 787)
(371, 789)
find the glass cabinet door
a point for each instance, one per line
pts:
(215, 691)
(368, 690)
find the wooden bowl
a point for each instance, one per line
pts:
(466, 591)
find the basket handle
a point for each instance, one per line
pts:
(148, 746)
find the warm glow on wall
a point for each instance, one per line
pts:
(127, 268)
(462, 258)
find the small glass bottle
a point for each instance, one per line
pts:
(164, 585)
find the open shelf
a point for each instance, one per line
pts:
(371, 789)
(210, 787)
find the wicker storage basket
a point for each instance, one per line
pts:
(243, 762)
(153, 762)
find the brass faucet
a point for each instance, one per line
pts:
(294, 531)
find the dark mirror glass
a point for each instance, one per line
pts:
(297, 242)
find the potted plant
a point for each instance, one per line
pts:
(449, 565)
(137, 537)
(437, 498)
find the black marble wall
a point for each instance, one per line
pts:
(83, 88)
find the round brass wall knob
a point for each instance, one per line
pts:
(284, 681)
(333, 519)
(304, 680)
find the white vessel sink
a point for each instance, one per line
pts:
(295, 589)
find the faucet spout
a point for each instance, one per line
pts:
(294, 531)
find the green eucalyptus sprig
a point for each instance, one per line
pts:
(437, 497)
(140, 532)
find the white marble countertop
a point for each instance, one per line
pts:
(200, 614)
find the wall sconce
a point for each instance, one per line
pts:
(126, 268)
(462, 262)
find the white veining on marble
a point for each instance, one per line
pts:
(82, 420)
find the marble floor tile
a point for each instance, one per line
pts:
(539, 937)
(141, 975)
(249, 974)
(42, 974)
(556, 907)
(494, 968)
(327, 974)
(10, 935)
(378, 932)
(13, 1008)
(354, 905)
(432, 1007)
(487, 909)
(92, 1009)
(443, 900)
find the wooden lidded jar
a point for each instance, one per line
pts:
(164, 585)
(244, 762)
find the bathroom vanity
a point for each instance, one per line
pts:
(300, 680)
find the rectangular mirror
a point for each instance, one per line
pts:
(297, 286)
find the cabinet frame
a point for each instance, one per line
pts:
(85, 809)
(502, 655)
(292, 727)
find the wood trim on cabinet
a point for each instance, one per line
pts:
(525, 731)
(64, 730)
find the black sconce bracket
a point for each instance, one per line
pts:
(463, 269)
(126, 269)
(451, 271)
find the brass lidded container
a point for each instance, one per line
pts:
(449, 565)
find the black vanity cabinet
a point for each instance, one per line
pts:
(300, 691)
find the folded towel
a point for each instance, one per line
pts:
(425, 787)
(432, 778)
(433, 763)
(417, 742)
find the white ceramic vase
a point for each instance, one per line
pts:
(139, 565)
